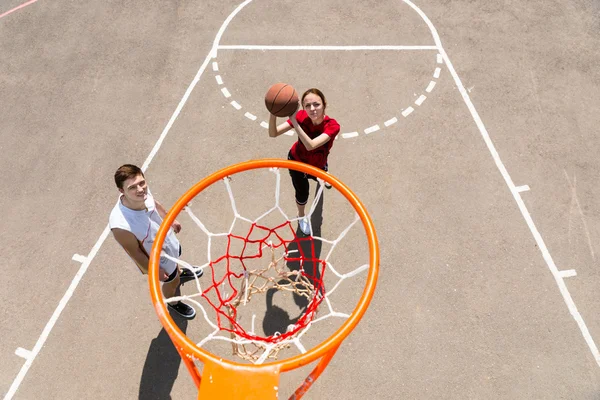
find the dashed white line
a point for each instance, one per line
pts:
(430, 87)
(390, 121)
(264, 125)
(372, 129)
(236, 105)
(436, 73)
(250, 116)
(524, 188)
(226, 92)
(568, 273)
(407, 112)
(215, 66)
(219, 79)
(420, 100)
(349, 135)
(439, 59)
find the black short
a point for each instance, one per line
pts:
(300, 182)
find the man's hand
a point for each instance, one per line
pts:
(162, 275)
(176, 226)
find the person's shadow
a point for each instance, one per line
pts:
(277, 319)
(162, 365)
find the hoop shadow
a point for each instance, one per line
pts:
(162, 365)
(277, 319)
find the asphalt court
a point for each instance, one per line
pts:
(466, 305)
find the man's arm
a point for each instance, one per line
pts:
(163, 212)
(130, 244)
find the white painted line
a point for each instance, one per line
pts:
(21, 352)
(250, 116)
(321, 48)
(372, 129)
(215, 66)
(264, 125)
(430, 87)
(219, 79)
(79, 258)
(349, 135)
(524, 188)
(236, 105)
(226, 92)
(84, 266)
(439, 59)
(436, 73)
(407, 112)
(568, 273)
(420, 100)
(390, 121)
(524, 212)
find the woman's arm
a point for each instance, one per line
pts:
(275, 130)
(309, 143)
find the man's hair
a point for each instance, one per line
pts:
(125, 172)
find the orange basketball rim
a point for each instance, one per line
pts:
(225, 379)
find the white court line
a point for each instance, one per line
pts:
(215, 66)
(439, 59)
(84, 266)
(436, 73)
(407, 112)
(420, 100)
(321, 48)
(226, 92)
(372, 129)
(23, 353)
(390, 121)
(349, 135)
(250, 116)
(79, 258)
(524, 188)
(430, 87)
(264, 124)
(568, 273)
(524, 212)
(219, 79)
(236, 105)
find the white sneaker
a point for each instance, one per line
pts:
(303, 224)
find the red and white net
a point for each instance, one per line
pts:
(288, 262)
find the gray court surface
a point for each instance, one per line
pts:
(469, 131)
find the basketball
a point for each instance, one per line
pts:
(281, 100)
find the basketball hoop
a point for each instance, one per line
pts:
(234, 284)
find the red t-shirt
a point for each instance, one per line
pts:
(318, 156)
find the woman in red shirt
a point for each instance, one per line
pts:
(316, 133)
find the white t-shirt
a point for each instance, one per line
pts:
(144, 225)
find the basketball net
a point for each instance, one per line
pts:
(236, 287)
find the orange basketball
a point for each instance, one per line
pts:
(281, 100)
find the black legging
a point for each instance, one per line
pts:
(300, 182)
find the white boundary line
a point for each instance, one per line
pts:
(321, 48)
(84, 266)
(534, 231)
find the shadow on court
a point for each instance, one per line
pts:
(277, 319)
(161, 366)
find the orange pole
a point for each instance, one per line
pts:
(314, 375)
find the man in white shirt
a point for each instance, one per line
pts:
(134, 222)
